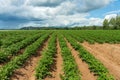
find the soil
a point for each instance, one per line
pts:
(27, 72)
(57, 68)
(117, 45)
(21, 51)
(108, 54)
(82, 66)
(1, 65)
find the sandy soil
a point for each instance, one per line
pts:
(27, 72)
(82, 66)
(117, 45)
(57, 69)
(108, 54)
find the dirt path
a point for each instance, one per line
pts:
(27, 72)
(108, 54)
(117, 45)
(57, 71)
(82, 66)
(110, 50)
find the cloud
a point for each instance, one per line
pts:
(113, 12)
(71, 20)
(88, 5)
(109, 16)
(49, 12)
(47, 3)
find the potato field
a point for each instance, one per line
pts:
(60, 55)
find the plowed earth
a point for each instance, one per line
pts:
(108, 54)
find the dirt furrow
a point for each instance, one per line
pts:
(106, 57)
(117, 45)
(111, 51)
(27, 72)
(82, 66)
(57, 71)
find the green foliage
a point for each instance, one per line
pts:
(7, 70)
(105, 24)
(0, 43)
(33, 40)
(118, 22)
(94, 65)
(92, 36)
(113, 22)
(70, 67)
(14, 48)
(47, 59)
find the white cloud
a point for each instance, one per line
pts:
(109, 16)
(113, 12)
(52, 12)
(71, 20)
(96, 21)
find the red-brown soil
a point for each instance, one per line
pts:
(27, 72)
(57, 71)
(108, 54)
(82, 66)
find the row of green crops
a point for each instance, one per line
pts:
(71, 71)
(15, 33)
(13, 49)
(92, 36)
(12, 40)
(47, 59)
(94, 65)
(14, 37)
(7, 70)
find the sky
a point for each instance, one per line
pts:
(15, 14)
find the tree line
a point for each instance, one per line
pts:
(113, 23)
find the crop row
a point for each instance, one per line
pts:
(12, 40)
(8, 38)
(13, 49)
(7, 70)
(8, 34)
(93, 36)
(71, 71)
(94, 65)
(47, 60)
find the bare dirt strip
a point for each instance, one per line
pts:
(108, 54)
(57, 69)
(82, 66)
(27, 72)
(117, 45)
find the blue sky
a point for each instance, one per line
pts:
(15, 14)
(102, 12)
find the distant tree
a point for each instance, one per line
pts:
(105, 24)
(0, 42)
(118, 22)
(115, 22)
(84, 27)
(112, 23)
(66, 28)
(94, 27)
